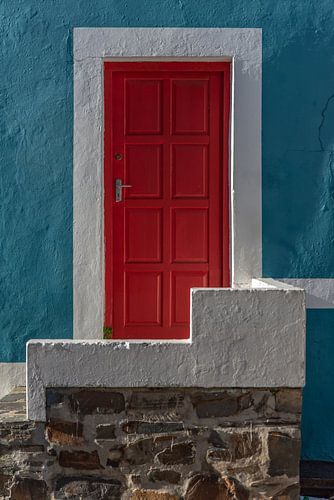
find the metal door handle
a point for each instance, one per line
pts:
(118, 188)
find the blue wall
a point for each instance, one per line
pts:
(36, 159)
(318, 407)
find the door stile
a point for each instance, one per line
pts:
(166, 196)
(224, 126)
(108, 198)
(215, 188)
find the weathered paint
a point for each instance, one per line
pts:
(36, 151)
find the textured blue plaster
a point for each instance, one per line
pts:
(36, 119)
(298, 158)
(318, 400)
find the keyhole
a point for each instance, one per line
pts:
(118, 156)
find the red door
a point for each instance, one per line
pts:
(166, 136)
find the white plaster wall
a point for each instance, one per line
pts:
(11, 375)
(319, 291)
(91, 47)
(88, 250)
(239, 338)
(270, 283)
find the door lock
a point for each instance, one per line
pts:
(118, 189)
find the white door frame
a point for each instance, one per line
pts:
(243, 47)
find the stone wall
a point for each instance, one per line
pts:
(153, 444)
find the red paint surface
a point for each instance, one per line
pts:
(170, 123)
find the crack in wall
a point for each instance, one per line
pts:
(320, 139)
(323, 117)
(331, 176)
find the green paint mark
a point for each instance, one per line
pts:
(107, 332)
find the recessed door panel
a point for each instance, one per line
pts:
(143, 106)
(143, 170)
(142, 299)
(190, 171)
(189, 235)
(143, 238)
(166, 138)
(190, 106)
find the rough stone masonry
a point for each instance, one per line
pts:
(158, 444)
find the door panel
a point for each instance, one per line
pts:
(166, 136)
(143, 170)
(189, 235)
(190, 171)
(143, 235)
(143, 106)
(190, 106)
(142, 298)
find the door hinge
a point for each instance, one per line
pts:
(107, 332)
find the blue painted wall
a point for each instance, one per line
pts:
(36, 119)
(318, 407)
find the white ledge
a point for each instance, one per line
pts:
(252, 337)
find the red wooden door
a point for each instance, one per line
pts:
(166, 136)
